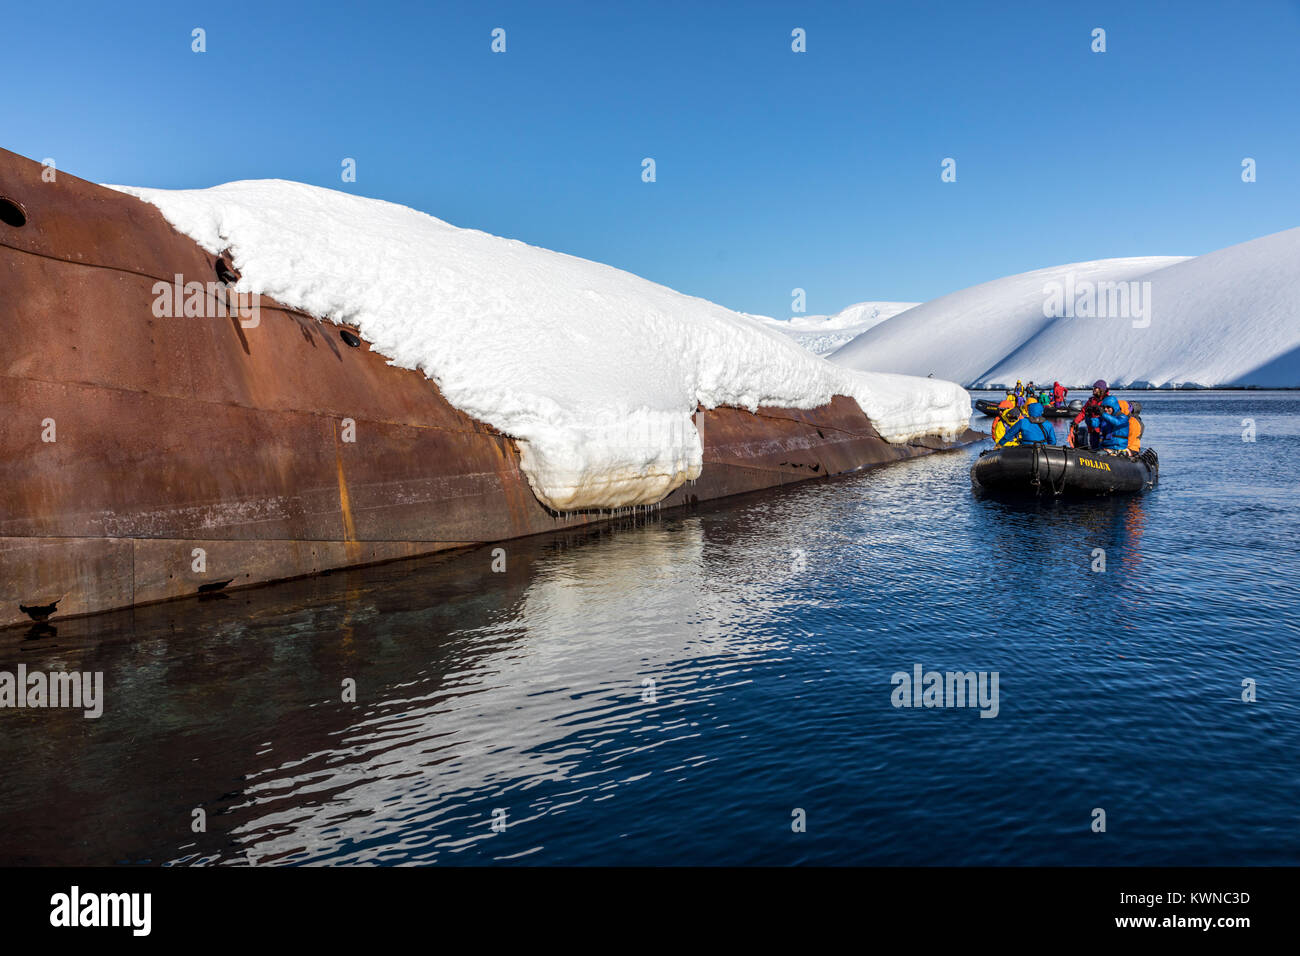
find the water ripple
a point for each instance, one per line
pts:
(678, 690)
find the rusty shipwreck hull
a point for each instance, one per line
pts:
(128, 441)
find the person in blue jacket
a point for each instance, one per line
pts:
(1032, 428)
(1114, 425)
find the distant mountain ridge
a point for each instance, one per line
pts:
(823, 334)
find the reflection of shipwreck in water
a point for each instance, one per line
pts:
(145, 457)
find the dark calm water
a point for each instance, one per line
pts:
(524, 691)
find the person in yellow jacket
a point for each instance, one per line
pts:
(1005, 419)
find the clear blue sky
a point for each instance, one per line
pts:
(775, 169)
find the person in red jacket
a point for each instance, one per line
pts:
(1092, 413)
(1058, 394)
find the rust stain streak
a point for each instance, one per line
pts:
(350, 543)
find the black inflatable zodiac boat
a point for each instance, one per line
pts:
(1055, 470)
(986, 407)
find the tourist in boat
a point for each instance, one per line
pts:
(1135, 429)
(1007, 416)
(1059, 392)
(1029, 429)
(1090, 416)
(1008, 404)
(1114, 424)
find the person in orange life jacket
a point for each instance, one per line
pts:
(1091, 413)
(1135, 429)
(1031, 429)
(1113, 422)
(1059, 392)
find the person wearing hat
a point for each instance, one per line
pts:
(1135, 428)
(1091, 414)
(1113, 423)
(1008, 415)
(1030, 429)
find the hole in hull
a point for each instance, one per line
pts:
(12, 214)
(225, 272)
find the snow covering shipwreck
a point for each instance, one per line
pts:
(227, 387)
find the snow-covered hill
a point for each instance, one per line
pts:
(823, 334)
(1226, 318)
(1230, 317)
(966, 334)
(594, 371)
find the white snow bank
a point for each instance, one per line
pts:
(595, 372)
(823, 334)
(966, 334)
